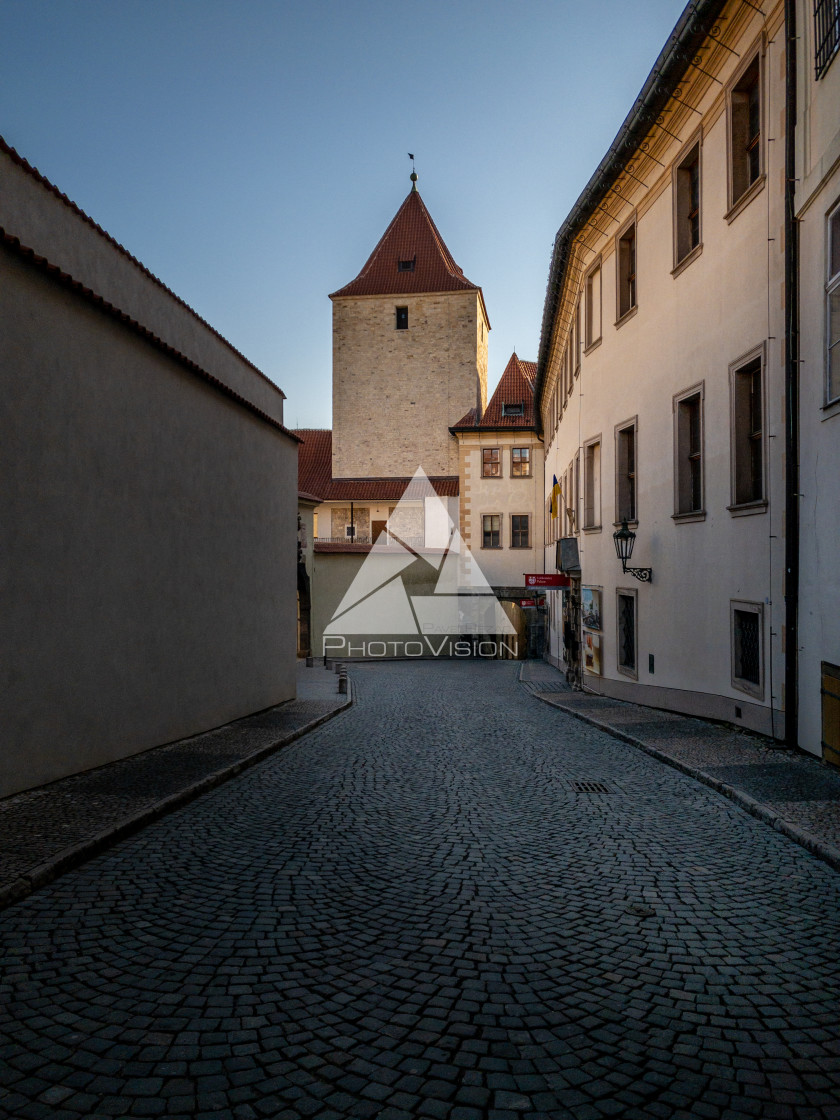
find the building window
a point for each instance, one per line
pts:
(517, 409)
(832, 310)
(687, 205)
(830, 691)
(592, 484)
(520, 536)
(625, 459)
(576, 337)
(593, 305)
(826, 33)
(626, 279)
(491, 462)
(688, 450)
(406, 266)
(402, 318)
(491, 530)
(747, 627)
(745, 131)
(626, 632)
(747, 433)
(520, 462)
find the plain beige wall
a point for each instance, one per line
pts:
(147, 572)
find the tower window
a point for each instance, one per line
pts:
(406, 266)
(402, 318)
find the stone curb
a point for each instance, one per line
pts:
(68, 858)
(826, 852)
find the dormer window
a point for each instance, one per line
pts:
(516, 409)
(406, 266)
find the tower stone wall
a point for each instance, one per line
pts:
(397, 391)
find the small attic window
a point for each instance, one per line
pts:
(406, 266)
(517, 409)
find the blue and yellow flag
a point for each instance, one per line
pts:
(555, 496)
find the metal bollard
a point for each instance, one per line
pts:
(310, 661)
(342, 685)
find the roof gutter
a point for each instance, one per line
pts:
(693, 27)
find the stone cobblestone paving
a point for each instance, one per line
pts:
(415, 912)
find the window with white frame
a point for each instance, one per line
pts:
(745, 155)
(520, 462)
(747, 431)
(592, 484)
(491, 530)
(747, 647)
(593, 305)
(832, 310)
(491, 462)
(687, 205)
(688, 452)
(626, 271)
(625, 472)
(520, 530)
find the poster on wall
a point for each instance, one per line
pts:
(590, 608)
(592, 653)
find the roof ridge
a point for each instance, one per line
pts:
(33, 171)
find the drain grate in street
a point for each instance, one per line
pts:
(590, 785)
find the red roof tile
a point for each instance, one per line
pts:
(315, 475)
(412, 237)
(515, 387)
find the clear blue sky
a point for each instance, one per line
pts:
(252, 153)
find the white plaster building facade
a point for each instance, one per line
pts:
(661, 384)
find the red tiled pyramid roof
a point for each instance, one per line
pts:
(516, 387)
(315, 475)
(411, 236)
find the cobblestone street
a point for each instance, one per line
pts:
(452, 901)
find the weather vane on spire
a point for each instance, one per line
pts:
(413, 175)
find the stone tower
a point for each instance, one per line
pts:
(409, 354)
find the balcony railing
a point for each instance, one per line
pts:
(382, 539)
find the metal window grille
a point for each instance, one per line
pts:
(826, 33)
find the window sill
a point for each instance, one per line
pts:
(592, 528)
(745, 509)
(688, 259)
(745, 199)
(622, 319)
(492, 548)
(692, 515)
(520, 547)
(497, 477)
(630, 524)
(830, 410)
(593, 345)
(754, 690)
(518, 476)
(633, 674)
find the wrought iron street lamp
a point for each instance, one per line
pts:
(624, 540)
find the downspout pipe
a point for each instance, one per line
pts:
(792, 497)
